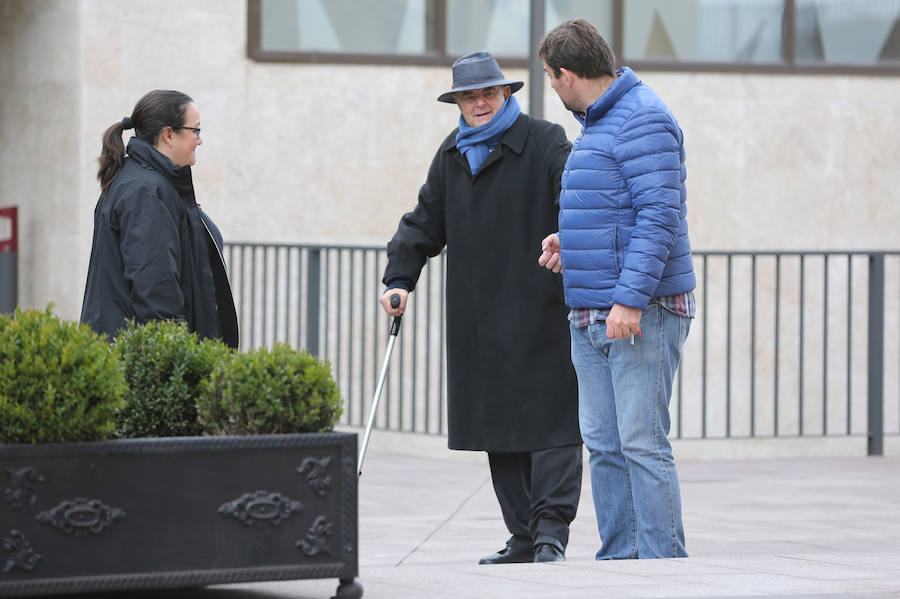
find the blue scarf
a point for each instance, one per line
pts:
(476, 142)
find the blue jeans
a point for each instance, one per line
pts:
(623, 411)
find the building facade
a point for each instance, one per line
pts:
(319, 116)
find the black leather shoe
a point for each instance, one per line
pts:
(549, 553)
(507, 556)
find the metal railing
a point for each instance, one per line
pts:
(785, 343)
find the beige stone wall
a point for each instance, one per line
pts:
(326, 153)
(40, 168)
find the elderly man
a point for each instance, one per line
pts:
(626, 261)
(490, 197)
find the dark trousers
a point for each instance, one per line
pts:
(538, 493)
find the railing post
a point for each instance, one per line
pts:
(876, 355)
(314, 269)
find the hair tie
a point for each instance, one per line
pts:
(127, 123)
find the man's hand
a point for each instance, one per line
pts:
(550, 258)
(623, 322)
(386, 301)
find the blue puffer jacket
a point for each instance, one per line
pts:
(622, 220)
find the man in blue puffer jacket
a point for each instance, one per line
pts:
(625, 256)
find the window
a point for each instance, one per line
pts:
(848, 36)
(502, 26)
(704, 30)
(405, 31)
(386, 27)
(863, 32)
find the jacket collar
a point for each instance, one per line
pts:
(625, 80)
(513, 138)
(516, 135)
(149, 157)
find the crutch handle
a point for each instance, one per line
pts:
(395, 326)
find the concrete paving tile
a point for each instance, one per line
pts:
(868, 594)
(886, 562)
(656, 567)
(541, 581)
(488, 582)
(885, 586)
(767, 583)
(702, 547)
(808, 569)
(561, 575)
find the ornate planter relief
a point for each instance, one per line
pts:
(80, 516)
(316, 541)
(261, 508)
(23, 556)
(21, 486)
(314, 469)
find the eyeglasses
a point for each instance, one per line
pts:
(196, 130)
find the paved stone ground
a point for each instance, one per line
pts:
(755, 528)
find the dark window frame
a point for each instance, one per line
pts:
(436, 32)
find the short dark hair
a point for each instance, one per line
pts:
(577, 46)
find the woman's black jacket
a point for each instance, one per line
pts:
(156, 255)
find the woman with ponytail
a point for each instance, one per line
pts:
(156, 255)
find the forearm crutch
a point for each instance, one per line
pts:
(395, 329)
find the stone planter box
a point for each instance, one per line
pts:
(178, 512)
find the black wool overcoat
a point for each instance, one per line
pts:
(511, 385)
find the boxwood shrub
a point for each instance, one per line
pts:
(164, 365)
(59, 381)
(270, 391)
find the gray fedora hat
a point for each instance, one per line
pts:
(476, 71)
